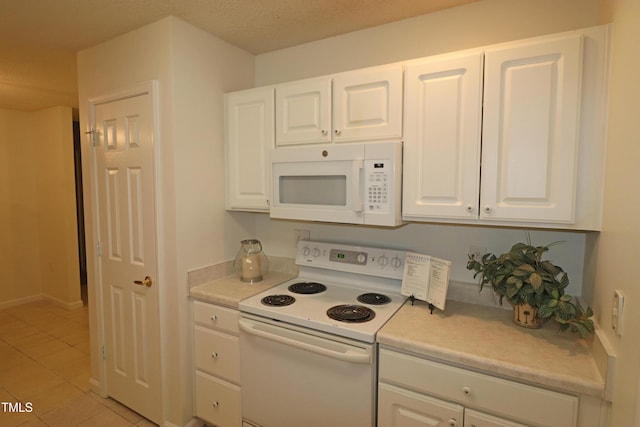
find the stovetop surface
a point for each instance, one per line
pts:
(310, 310)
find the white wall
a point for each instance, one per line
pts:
(193, 69)
(204, 68)
(616, 257)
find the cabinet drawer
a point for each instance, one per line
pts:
(217, 402)
(471, 389)
(217, 354)
(214, 316)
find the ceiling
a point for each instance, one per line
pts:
(39, 38)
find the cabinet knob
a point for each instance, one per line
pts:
(337, 131)
(469, 208)
(214, 355)
(488, 209)
(214, 318)
(323, 131)
(215, 404)
(452, 422)
(466, 390)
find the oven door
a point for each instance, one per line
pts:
(294, 377)
(318, 183)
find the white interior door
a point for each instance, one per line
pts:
(126, 217)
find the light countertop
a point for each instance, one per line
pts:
(485, 339)
(229, 290)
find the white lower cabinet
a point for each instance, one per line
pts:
(217, 374)
(415, 392)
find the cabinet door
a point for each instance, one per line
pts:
(443, 113)
(530, 130)
(403, 408)
(478, 419)
(303, 112)
(249, 120)
(367, 104)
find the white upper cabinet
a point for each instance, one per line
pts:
(367, 104)
(530, 130)
(519, 140)
(357, 105)
(442, 125)
(249, 120)
(303, 112)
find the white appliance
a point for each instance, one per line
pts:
(346, 183)
(307, 346)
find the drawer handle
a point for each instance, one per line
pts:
(452, 422)
(214, 355)
(466, 390)
(215, 404)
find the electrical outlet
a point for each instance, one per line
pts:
(477, 251)
(617, 307)
(301, 235)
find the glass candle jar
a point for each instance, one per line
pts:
(251, 264)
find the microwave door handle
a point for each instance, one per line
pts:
(356, 188)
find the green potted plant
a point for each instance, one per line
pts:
(535, 287)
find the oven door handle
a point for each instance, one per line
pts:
(347, 356)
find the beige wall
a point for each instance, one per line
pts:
(39, 248)
(19, 245)
(616, 258)
(193, 69)
(476, 24)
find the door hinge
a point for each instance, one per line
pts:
(92, 136)
(104, 353)
(99, 248)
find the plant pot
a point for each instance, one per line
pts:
(526, 316)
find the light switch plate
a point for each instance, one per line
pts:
(616, 312)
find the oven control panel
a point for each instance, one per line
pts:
(353, 259)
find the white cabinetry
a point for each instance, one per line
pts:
(443, 116)
(541, 140)
(303, 112)
(217, 375)
(352, 106)
(416, 392)
(249, 121)
(530, 130)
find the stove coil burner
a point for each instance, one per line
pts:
(351, 313)
(278, 300)
(307, 288)
(373, 299)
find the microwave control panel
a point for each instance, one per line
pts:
(377, 183)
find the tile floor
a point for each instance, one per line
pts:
(44, 364)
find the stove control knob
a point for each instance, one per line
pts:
(361, 258)
(383, 260)
(316, 252)
(306, 251)
(396, 262)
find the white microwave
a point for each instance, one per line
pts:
(345, 183)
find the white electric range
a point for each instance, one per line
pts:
(307, 346)
(349, 291)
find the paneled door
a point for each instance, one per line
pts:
(124, 138)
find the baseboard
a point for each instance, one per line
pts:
(19, 301)
(64, 304)
(605, 359)
(94, 386)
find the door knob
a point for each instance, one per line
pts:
(146, 282)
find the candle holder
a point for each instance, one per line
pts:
(251, 264)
